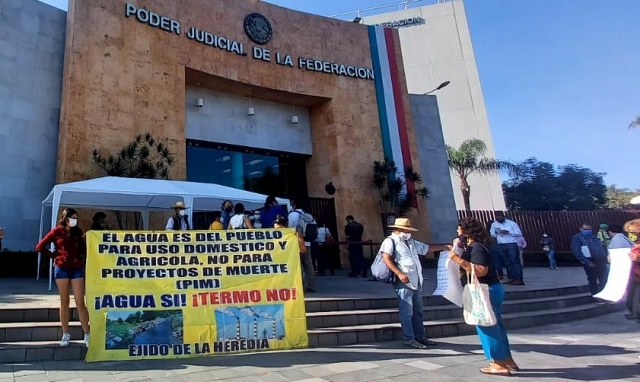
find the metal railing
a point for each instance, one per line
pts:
(402, 5)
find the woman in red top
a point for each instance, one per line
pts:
(69, 258)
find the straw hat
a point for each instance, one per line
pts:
(403, 223)
(179, 205)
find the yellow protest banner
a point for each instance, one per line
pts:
(174, 294)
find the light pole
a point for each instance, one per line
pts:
(442, 85)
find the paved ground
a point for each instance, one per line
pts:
(605, 348)
(31, 293)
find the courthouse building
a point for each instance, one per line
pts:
(244, 93)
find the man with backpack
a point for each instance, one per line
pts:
(399, 257)
(306, 226)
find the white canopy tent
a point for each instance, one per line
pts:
(141, 195)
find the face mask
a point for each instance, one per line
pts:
(405, 236)
(586, 232)
(181, 212)
(73, 222)
(545, 235)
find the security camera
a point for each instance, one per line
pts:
(199, 102)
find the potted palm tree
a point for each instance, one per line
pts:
(396, 199)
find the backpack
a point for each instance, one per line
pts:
(379, 269)
(307, 227)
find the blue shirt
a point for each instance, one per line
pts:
(226, 218)
(268, 215)
(593, 243)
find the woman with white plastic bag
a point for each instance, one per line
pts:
(478, 270)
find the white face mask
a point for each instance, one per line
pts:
(405, 236)
(73, 222)
(181, 212)
(545, 235)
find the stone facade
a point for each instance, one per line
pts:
(122, 77)
(32, 38)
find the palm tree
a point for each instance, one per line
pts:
(635, 123)
(469, 158)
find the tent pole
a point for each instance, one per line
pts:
(55, 208)
(50, 274)
(40, 237)
(145, 219)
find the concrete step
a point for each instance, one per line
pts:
(33, 351)
(314, 305)
(349, 335)
(37, 331)
(34, 315)
(51, 331)
(36, 351)
(316, 320)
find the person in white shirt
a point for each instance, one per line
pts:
(322, 257)
(401, 255)
(180, 220)
(307, 257)
(507, 232)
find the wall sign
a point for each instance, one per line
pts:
(404, 23)
(259, 30)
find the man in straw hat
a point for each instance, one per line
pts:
(179, 220)
(401, 255)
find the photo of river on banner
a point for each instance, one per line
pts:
(143, 327)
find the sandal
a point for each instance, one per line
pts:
(493, 371)
(512, 365)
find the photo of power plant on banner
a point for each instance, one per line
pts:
(249, 327)
(143, 327)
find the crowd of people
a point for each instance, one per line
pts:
(401, 254)
(485, 252)
(69, 248)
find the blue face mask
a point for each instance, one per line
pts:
(586, 232)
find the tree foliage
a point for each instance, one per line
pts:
(391, 185)
(470, 158)
(539, 186)
(145, 157)
(635, 123)
(619, 198)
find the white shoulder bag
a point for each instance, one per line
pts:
(476, 303)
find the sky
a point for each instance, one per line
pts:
(561, 78)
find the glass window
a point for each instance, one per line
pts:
(279, 174)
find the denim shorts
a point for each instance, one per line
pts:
(60, 273)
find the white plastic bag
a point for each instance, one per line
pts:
(476, 303)
(379, 269)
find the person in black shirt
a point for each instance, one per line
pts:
(353, 231)
(494, 340)
(98, 222)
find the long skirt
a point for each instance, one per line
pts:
(494, 338)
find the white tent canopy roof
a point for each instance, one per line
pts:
(135, 194)
(143, 195)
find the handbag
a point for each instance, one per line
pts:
(476, 303)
